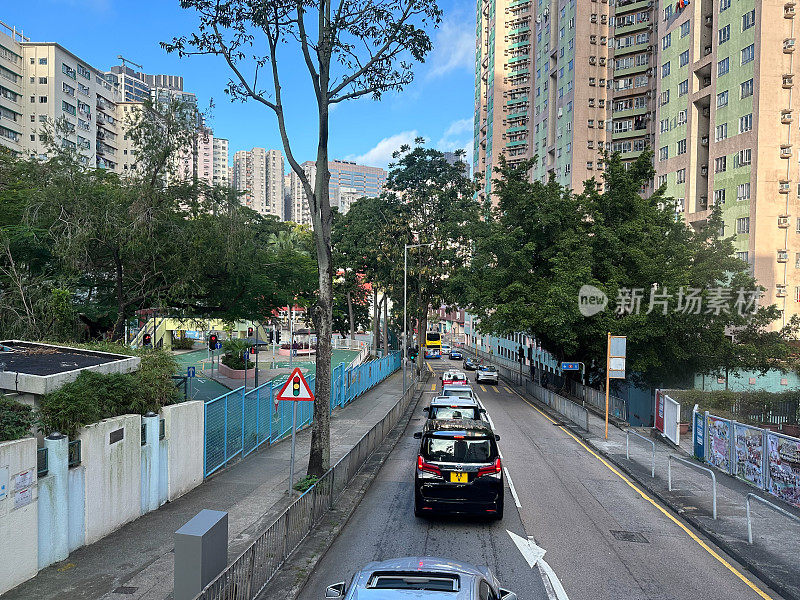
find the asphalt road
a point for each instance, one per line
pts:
(603, 540)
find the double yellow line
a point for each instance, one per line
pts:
(671, 517)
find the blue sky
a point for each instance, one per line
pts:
(437, 106)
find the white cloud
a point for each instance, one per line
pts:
(381, 154)
(458, 127)
(453, 48)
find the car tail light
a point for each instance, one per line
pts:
(493, 470)
(427, 467)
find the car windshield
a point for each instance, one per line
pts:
(454, 412)
(472, 450)
(458, 393)
(489, 369)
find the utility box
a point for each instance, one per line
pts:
(201, 552)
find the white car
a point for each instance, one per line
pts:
(445, 349)
(487, 373)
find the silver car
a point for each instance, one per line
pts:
(486, 373)
(421, 577)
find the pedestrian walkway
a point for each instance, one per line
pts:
(136, 561)
(774, 555)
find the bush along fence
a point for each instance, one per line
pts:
(763, 458)
(241, 421)
(248, 575)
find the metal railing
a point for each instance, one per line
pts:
(574, 412)
(597, 398)
(689, 463)
(246, 577)
(628, 433)
(775, 507)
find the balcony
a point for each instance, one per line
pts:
(788, 81)
(704, 140)
(786, 116)
(786, 151)
(788, 45)
(788, 10)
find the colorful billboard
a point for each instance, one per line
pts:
(784, 467)
(719, 443)
(749, 454)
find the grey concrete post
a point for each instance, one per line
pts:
(151, 449)
(201, 553)
(53, 516)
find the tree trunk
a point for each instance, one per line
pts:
(319, 458)
(350, 315)
(423, 328)
(385, 324)
(375, 320)
(119, 326)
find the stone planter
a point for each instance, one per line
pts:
(226, 371)
(684, 428)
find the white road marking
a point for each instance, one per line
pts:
(534, 556)
(511, 486)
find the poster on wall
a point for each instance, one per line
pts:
(660, 410)
(719, 443)
(749, 453)
(784, 467)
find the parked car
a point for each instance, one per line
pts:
(458, 469)
(470, 364)
(446, 407)
(421, 577)
(486, 373)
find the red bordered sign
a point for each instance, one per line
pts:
(296, 389)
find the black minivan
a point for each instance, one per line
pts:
(458, 469)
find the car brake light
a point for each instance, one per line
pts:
(458, 437)
(493, 470)
(424, 466)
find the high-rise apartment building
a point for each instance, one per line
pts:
(59, 87)
(633, 99)
(453, 158)
(301, 212)
(259, 174)
(542, 88)
(220, 162)
(11, 82)
(728, 133)
(287, 197)
(367, 181)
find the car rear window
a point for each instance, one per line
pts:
(450, 412)
(452, 449)
(458, 393)
(433, 582)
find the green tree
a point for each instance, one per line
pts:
(350, 49)
(542, 243)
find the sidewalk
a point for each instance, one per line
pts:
(774, 556)
(137, 561)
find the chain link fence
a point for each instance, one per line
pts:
(246, 576)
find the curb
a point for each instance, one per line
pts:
(290, 580)
(768, 580)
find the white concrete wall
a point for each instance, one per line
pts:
(19, 555)
(184, 434)
(112, 475)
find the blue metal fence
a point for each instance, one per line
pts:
(239, 422)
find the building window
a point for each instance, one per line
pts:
(664, 125)
(724, 5)
(748, 19)
(685, 29)
(743, 225)
(684, 58)
(664, 97)
(680, 176)
(724, 34)
(743, 191)
(722, 99)
(723, 67)
(683, 87)
(720, 164)
(666, 41)
(719, 196)
(667, 12)
(748, 54)
(746, 89)
(665, 70)
(662, 180)
(42, 61)
(43, 80)
(746, 123)
(682, 118)
(742, 255)
(721, 132)
(681, 147)
(42, 99)
(743, 158)
(663, 153)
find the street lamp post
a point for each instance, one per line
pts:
(405, 307)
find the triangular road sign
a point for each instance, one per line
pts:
(296, 388)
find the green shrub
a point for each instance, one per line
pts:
(16, 419)
(96, 396)
(183, 344)
(234, 349)
(747, 407)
